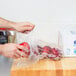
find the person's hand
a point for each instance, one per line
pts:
(23, 27)
(11, 50)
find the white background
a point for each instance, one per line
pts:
(49, 16)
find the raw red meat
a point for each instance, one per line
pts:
(27, 46)
(55, 51)
(46, 49)
(51, 53)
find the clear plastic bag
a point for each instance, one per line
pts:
(40, 50)
(49, 50)
(32, 57)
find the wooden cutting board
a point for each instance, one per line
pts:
(46, 67)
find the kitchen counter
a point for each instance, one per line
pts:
(46, 67)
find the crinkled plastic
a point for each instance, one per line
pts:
(40, 50)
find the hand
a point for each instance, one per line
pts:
(11, 50)
(23, 27)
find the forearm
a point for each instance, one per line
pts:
(1, 49)
(5, 23)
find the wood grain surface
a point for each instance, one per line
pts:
(45, 67)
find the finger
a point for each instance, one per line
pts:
(20, 53)
(26, 32)
(32, 27)
(28, 28)
(27, 23)
(16, 56)
(22, 47)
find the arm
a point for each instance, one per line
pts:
(11, 50)
(5, 23)
(22, 27)
(1, 46)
